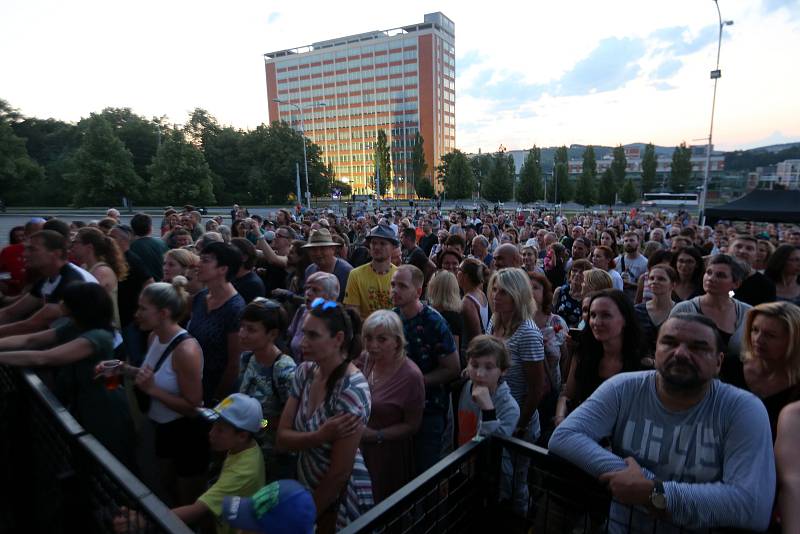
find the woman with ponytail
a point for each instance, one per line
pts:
(325, 415)
(100, 255)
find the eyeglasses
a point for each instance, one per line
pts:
(325, 304)
(266, 303)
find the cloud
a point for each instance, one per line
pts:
(274, 16)
(705, 37)
(664, 86)
(774, 5)
(470, 58)
(609, 66)
(667, 69)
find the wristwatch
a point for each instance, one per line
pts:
(657, 498)
(379, 437)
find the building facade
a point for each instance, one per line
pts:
(401, 81)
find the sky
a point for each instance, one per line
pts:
(545, 73)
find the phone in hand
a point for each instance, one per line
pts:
(575, 333)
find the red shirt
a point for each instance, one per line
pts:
(11, 262)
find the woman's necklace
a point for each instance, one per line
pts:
(373, 379)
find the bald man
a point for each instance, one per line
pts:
(507, 255)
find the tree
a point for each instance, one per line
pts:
(584, 192)
(628, 195)
(201, 126)
(418, 164)
(481, 168)
(424, 188)
(681, 170)
(227, 158)
(607, 191)
(103, 168)
(20, 175)
(530, 177)
(140, 136)
(561, 183)
(180, 172)
(619, 167)
(499, 186)
(383, 164)
(649, 168)
(457, 175)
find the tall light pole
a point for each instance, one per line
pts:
(716, 74)
(303, 133)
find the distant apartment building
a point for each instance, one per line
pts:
(788, 174)
(663, 163)
(401, 81)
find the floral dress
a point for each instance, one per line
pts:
(350, 395)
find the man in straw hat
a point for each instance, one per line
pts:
(322, 251)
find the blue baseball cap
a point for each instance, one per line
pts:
(281, 507)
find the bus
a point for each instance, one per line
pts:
(682, 200)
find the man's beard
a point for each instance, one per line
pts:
(689, 381)
(630, 249)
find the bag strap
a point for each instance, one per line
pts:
(177, 340)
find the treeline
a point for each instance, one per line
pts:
(116, 154)
(748, 160)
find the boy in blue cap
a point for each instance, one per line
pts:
(281, 507)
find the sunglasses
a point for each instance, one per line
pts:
(325, 304)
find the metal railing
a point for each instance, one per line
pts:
(56, 477)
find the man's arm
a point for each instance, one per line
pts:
(788, 436)
(270, 255)
(445, 372)
(37, 322)
(20, 309)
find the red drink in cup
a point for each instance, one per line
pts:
(111, 371)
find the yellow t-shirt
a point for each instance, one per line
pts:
(242, 475)
(369, 291)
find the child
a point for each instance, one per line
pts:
(236, 421)
(486, 405)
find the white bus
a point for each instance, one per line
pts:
(683, 200)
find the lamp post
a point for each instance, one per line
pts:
(303, 133)
(716, 74)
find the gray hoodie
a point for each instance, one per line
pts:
(472, 421)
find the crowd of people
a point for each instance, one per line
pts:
(350, 353)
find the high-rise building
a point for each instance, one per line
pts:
(401, 81)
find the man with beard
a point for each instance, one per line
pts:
(686, 449)
(630, 264)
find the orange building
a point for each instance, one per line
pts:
(401, 81)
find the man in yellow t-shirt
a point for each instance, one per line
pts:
(369, 286)
(236, 420)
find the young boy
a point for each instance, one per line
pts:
(236, 420)
(486, 405)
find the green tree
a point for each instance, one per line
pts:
(383, 164)
(424, 188)
(201, 126)
(180, 172)
(481, 169)
(681, 170)
(619, 167)
(227, 158)
(584, 191)
(20, 176)
(419, 167)
(530, 177)
(458, 179)
(649, 165)
(140, 136)
(103, 170)
(628, 195)
(607, 191)
(561, 183)
(499, 186)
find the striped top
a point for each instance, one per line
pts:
(525, 345)
(351, 395)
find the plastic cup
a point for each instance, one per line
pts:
(111, 371)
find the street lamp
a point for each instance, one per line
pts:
(303, 133)
(716, 74)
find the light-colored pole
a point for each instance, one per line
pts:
(715, 75)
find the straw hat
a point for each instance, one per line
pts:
(321, 238)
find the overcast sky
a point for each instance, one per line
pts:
(550, 73)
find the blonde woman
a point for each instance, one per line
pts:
(444, 296)
(182, 262)
(771, 349)
(595, 280)
(398, 400)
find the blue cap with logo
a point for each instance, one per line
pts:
(281, 507)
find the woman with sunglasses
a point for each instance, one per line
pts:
(324, 418)
(266, 374)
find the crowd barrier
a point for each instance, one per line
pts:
(57, 478)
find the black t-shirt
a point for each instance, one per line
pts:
(756, 289)
(52, 289)
(128, 290)
(249, 287)
(151, 251)
(417, 258)
(274, 278)
(426, 243)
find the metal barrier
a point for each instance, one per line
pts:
(465, 492)
(56, 477)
